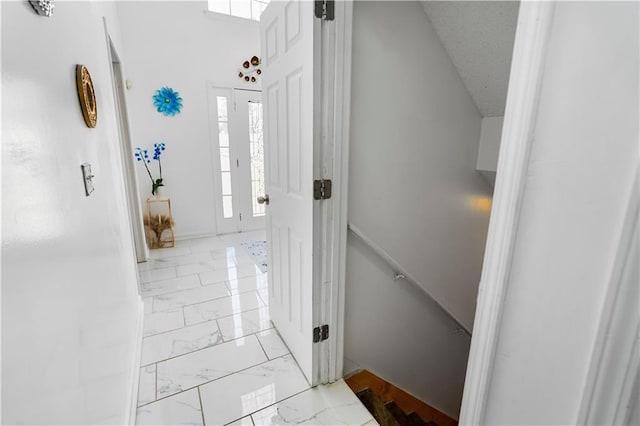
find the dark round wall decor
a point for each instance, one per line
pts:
(43, 7)
(86, 96)
(250, 69)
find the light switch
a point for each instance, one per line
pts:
(87, 177)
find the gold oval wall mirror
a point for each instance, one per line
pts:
(86, 95)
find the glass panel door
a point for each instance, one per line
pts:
(238, 151)
(256, 152)
(248, 108)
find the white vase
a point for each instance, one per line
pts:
(160, 193)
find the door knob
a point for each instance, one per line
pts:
(263, 200)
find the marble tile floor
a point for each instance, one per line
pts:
(210, 353)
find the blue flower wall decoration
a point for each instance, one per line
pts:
(167, 101)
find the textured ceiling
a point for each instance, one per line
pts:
(478, 36)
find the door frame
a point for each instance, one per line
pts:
(134, 206)
(611, 386)
(525, 83)
(332, 109)
(333, 163)
(613, 379)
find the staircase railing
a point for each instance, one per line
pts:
(401, 273)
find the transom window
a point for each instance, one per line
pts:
(248, 9)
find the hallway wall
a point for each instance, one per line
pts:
(180, 45)
(414, 190)
(70, 299)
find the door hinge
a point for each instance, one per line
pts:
(322, 189)
(320, 333)
(325, 9)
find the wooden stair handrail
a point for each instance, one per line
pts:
(401, 274)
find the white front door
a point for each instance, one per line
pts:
(287, 41)
(236, 130)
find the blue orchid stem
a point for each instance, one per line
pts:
(148, 171)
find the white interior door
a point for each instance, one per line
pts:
(287, 31)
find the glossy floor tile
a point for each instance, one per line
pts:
(179, 342)
(223, 307)
(330, 405)
(210, 353)
(181, 409)
(203, 366)
(245, 421)
(245, 323)
(246, 284)
(229, 274)
(147, 387)
(154, 288)
(248, 391)
(157, 274)
(191, 296)
(272, 343)
(160, 322)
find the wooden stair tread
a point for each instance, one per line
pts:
(382, 415)
(405, 402)
(416, 420)
(399, 415)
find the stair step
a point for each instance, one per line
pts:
(411, 419)
(405, 402)
(415, 419)
(376, 408)
(400, 416)
(389, 414)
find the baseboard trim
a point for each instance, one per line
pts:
(387, 392)
(194, 235)
(135, 374)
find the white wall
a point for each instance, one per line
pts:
(414, 190)
(177, 44)
(490, 143)
(395, 331)
(489, 147)
(69, 287)
(580, 176)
